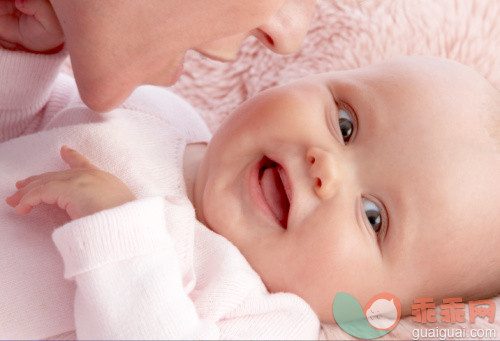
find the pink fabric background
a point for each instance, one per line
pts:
(346, 34)
(349, 34)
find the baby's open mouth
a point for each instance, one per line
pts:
(276, 188)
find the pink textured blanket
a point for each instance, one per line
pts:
(349, 34)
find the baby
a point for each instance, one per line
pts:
(378, 179)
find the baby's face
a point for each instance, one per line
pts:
(380, 179)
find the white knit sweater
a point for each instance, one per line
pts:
(144, 270)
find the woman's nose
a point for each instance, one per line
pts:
(285, 31)
(324, 172)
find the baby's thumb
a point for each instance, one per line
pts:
(75, 159)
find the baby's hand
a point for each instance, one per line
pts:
(30, 25)
(80, 191)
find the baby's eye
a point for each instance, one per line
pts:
(373, 214)
(346, 123)
(346, 126)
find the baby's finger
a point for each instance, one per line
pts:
(26, 185)
(14, 199)
(49, 193)
(75, 159)
(44, 177)
(21, 183)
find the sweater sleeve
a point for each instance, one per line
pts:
(128, 276)
(26, 80)
(278, 316)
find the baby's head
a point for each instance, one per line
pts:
(379, 179)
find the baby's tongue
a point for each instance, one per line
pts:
(274, 192)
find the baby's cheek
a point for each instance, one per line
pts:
(216, 213)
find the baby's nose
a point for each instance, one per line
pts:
(323, 171)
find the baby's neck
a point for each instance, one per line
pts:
(193, 155)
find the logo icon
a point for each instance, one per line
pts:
(380, 315)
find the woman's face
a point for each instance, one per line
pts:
(116, 46)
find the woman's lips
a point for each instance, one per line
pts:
(270, 190)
